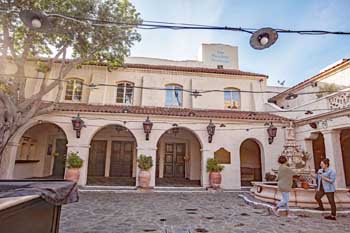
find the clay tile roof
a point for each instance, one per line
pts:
(194, 69)
(163, 111)
(319, 76)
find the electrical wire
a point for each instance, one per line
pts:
(191, 91)
(151, 25)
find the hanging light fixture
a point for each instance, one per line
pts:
(147, 127)
(211, 131)
(35, 20)
(176, 129)
(263, 38)
(77, 124)
(272, 132)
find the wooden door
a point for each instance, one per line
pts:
(60, 158)
(121, 159)
(97, 158)
(319, 150)
(174, 162)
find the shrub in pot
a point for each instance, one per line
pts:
(144, 163)
(73, 163)
(214, 169)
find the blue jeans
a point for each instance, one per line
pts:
(284, 201)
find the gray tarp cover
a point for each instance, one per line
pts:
(54, 192)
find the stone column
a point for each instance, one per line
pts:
(149, 152)
(334, 154)
(206, 154)
(7, 165)
(83, 152)
(108, 158)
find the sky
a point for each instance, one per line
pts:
(292, 58)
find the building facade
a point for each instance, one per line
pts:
(181, 99)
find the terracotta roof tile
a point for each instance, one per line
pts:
(193, 69)
(163, 111)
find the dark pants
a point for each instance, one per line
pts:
(330, 196)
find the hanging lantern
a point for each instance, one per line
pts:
(211, 131)
(272, 132)
(77, 124)
(147, 127)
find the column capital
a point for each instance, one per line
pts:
(330, 131)
(77, 146)
(146, 148)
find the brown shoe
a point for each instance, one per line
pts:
(330, 217)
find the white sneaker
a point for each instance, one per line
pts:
(275, 211)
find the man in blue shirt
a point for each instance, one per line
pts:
(325, 179)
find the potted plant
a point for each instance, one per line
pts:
(74, 163)
(214, 169)
(144, 163)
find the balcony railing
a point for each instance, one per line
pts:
(340, 100)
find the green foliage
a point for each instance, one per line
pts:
(214, 166)
(74, 161)
(42, 67)
(327, 89)
(108, 44)
(4, 88)
(145, 162)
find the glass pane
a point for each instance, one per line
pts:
(227, 96)
(69, 90)
(174, 95)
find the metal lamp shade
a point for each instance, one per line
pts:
(27, 17)
(272, 131)
(269, 33)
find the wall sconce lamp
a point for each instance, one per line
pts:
(147, 127)
(77, 124)
(211, 131)
(272, 132)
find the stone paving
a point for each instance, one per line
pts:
(108, 212)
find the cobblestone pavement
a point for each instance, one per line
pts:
(108, 212)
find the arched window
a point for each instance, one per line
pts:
(173, 96)
(232, 98)
(74, 89)
(125, 93)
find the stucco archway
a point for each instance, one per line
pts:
(178, 160)
(250, 161)
(112, 157)
(42, 149)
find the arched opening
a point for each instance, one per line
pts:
(178, 161)
(319, 150)
(345, 147)
(41, 153)
(112, 157)
(250, 157)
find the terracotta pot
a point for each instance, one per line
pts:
(73, 174)
(305, 185)
(215, 179)
(144, 179)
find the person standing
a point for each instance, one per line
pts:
(285, 182)
(325, 179)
